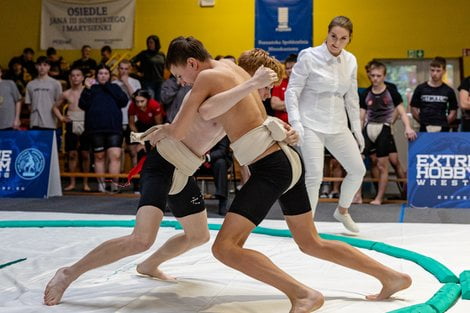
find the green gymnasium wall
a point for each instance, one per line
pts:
(382, 29)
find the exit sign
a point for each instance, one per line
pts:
(415, 54)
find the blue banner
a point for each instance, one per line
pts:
(283, 27)
(439, 170)
(25, 160)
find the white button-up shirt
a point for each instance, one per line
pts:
(320, 88)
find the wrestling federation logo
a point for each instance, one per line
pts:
(30, 163)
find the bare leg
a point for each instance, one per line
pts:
(73, 162)
(382, 165)
(228, 248)
(114, 157)
(143, 236)
(86, 169)
(195, 234)
(100, 161)
(395, 162)
(306, 236)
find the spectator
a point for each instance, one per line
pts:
(217, 162)
(378, 104)
(434, 103)
(19, 75)
(41, 94)
(129, 85)
(10, 104)
(172, 95)
(75, 139)
(144, 112)
(464, 95)
(151, 63)
(321, 96)
(231, 58)
(277, 98)
(102, 103)
(86, 63)
(106, 53)
(27, 61)
(58, 65)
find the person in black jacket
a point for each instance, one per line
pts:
(102, 103)
(151, 63)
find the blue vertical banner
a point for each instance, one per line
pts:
(29, 164)
(283, 27)
(439, 171)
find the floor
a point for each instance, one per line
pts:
(204, 284)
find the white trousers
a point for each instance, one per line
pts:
(344, 148)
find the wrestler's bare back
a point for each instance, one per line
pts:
(244, 116)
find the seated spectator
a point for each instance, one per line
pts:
(27, 61)
(10, 104)
(218, 161)
(434, 103)
(74, 119)
(277, 98)
(102, 103)
(86, 63)
(464, 96)
(144, 112)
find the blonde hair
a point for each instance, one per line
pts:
(341, 21)
(252, 59)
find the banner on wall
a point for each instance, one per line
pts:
(29, 164)
(283, 27)
(439, 171)
(70, 24)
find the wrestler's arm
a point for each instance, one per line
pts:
(201, 90)
(224, 101)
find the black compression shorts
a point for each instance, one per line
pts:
(270, 177)
(383, 145)
(155, 183)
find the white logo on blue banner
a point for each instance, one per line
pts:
(283, 27)
(439, 171)
(30, 163)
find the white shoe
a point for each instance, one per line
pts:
(347, 221)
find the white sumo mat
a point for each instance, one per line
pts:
(205, 285)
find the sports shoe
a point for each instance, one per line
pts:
(347, 221)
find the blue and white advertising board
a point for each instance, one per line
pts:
(29, 164)
(283, 27)
(439, 171)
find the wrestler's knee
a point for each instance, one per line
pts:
(140, 243)
(312, 245)
(221, 250)
(198, 238)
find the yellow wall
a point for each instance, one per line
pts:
(382, 29)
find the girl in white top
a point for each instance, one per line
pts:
(322, 90)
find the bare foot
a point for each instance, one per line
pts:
(86, 188)
(376, 202)
(69, 187)
(154, 273)
(57, 286)
(312, 301)
(357, 200)
(399, 282)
